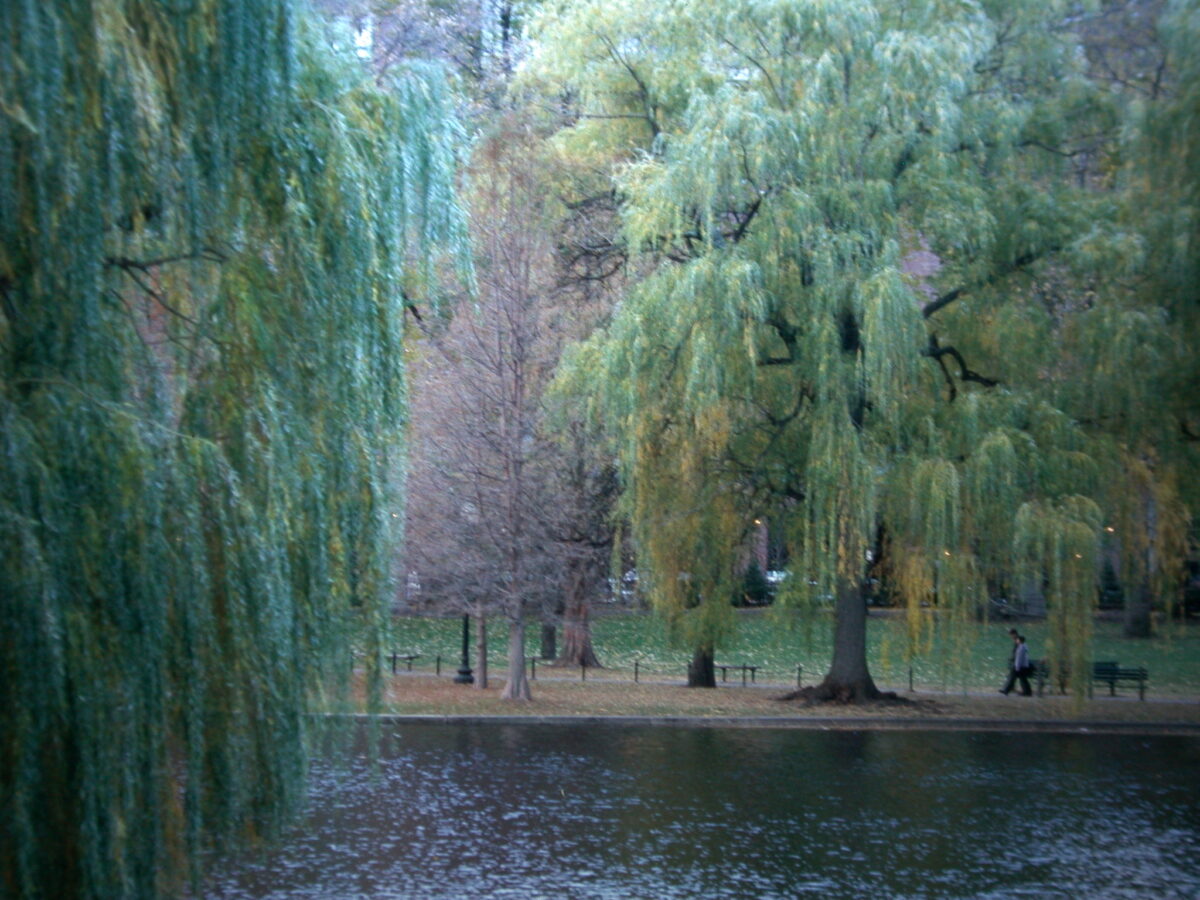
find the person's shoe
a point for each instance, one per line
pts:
(1005, 693)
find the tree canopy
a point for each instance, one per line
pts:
(886, 244)
(914, 282)
(207, 219)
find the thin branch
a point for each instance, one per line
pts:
(936, 351)
(637, 79)
(761, 68)
(140, 269)
(1017, 264)
(207, 254)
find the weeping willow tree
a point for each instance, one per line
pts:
(1159, 413)
(858, 219)
(206, 213)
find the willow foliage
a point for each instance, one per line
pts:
(788, 169)
(206, 215)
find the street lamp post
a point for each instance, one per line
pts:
(464, 675)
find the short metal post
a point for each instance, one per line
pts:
(799, 676)
(533, 668)
(582, 672)
(910, 680)
(438, 666)
(635, 671)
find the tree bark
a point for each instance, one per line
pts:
(1138, 607)
(518, 683)
(577, 638)
(549, 640)
(577, 627)
(1140, 600)
(481, 652)
(700, 670)
(849, 680)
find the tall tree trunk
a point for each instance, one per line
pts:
(577, 637)
(577, 626)
(481, 652)
(518, 684)
(1137, 612)
(849, 680)
(1140, 600)
(549, 640)
(700, 670)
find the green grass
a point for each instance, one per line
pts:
(764, 638)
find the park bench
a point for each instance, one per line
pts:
(1111, 673)
(743, 669)
(1105, 671)
(407, 657)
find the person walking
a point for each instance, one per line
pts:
(1020, 667)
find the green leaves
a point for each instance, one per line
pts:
(883, 243)
(204, 238)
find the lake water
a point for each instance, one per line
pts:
(525, 811)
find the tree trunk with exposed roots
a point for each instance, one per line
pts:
(848, 680)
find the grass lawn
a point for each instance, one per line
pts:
(777, 645)
(951, 684)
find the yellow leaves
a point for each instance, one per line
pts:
(1150, 527)
(914, 582)
(935, 503)
(1058, 545)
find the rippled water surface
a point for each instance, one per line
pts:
(475, 811)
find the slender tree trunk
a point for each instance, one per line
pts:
(481, 652)
(549, 640)
(700, 670)
(1140, 600)
(518, 684)
(1138, 606)
(577, 626)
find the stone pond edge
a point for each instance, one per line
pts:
(815, 723)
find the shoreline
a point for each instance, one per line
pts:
(811, 723)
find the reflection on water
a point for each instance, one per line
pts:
(564, 811)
